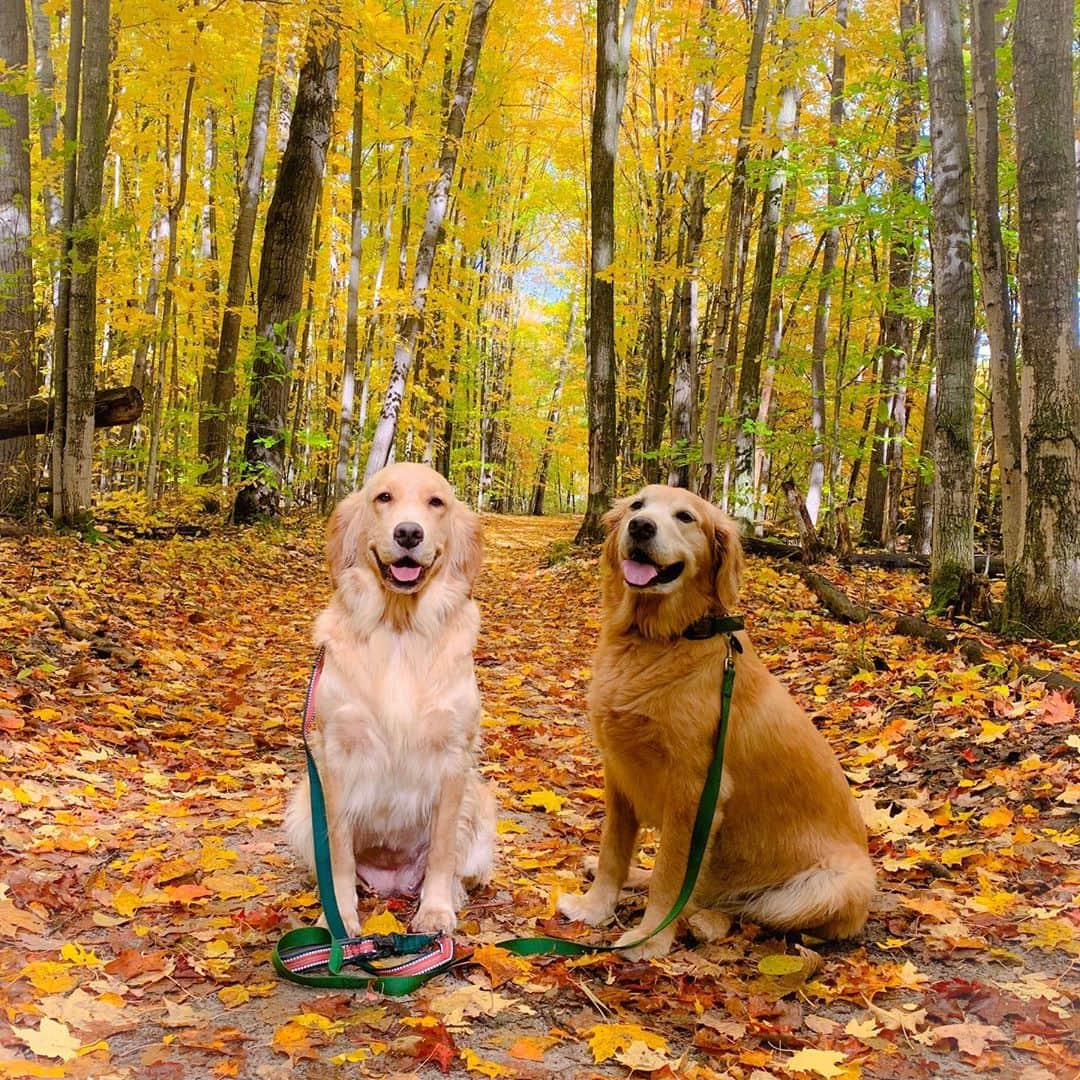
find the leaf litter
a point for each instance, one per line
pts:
(144, 879)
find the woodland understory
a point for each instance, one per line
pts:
(150, 695)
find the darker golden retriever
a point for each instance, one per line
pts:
(788, 847)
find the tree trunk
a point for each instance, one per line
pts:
(727, 320)
(953, 546)
(168, 305)
(46, 81)
(993, 270)
(539, 492)
(73, 438)
(887, 441)
(18, 369)
(923, 528)
(352, 303)
(1044, 588)
(218, 392)
(761, 294)
(829, 251)
(410, 324)
(281, 276)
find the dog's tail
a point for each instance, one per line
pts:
(831, 900)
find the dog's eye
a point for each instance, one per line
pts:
(384, 497)
(685, 515)
(637, 504)
(436, 502)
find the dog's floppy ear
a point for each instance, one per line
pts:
(728, 562)
(612, 520)
(343, 533)
(466, 553)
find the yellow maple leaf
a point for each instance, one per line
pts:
(991, 732)
(52, 1039)
(475, 1063)
(49, 976)
(500, 965)
(74, 953)
(819, 1062)
(606, 1040)
(998, 818)
(231, 996)
(385, 922)
(545, 799)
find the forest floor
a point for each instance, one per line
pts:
(143, 875)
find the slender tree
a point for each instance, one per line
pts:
(829, 250)
(412, 321)
(281, 276)
(18, 370)
(352, 301)
(219, 385)
(552, 426)
(749, 392)
(886, 448)
(1043, 592)
(953, 544)
(993, 272)
(76, 323)
(612, 65)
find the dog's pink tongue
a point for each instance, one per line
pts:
(405, 573)
(638, 573)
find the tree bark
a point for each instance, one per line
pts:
(749, 391)
(411, 323)
(993, 271)
(73, 439)
(18, 369)
(612, 67)
(887, 443)
(281, 277)
(1044, 588)
(552, 426)
(218, 392)
(41, 30)
(727, 319)
(352, 302)
(953, 545)
(829, 252)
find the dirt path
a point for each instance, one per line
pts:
(143, 877)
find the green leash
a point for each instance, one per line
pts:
(303, 955)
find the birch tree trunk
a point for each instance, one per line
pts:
(993, 270)
(410, 324)
(727, 320)
(1043, 593)
(612, 66)
(219, 390)
(73, 442)
(829, 250)
(18, 370)
(953, 546)
(41, 30)
(281, 277)
(352, 302)
(761, 294)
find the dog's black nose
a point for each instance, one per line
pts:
(408, 534)
(641, 528)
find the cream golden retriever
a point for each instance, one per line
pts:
(397, 707)
(788, 847)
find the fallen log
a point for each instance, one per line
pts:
(837, 603)
(118, 405)
(973, 652)
(885, 560)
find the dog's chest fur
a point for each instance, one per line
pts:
(397, 712)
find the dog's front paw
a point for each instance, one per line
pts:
(433, 919)
(657, 946)
(585, 908)
(350, 920)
